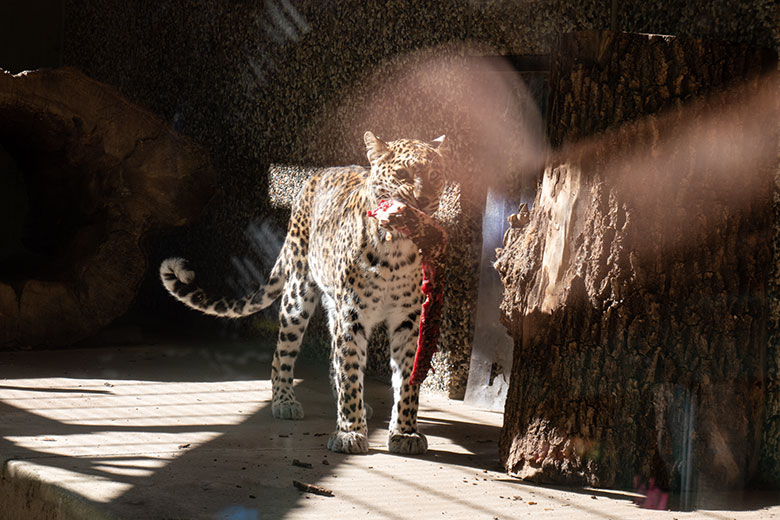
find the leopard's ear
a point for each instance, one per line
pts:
(441, 145)
(375, 147)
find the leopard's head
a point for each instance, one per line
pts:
(407, 170)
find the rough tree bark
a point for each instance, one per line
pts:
(91, 174)
(636, 286)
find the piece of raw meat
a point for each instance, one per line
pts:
(431, 240)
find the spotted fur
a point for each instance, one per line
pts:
(363, 275)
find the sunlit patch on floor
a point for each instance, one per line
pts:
(83, 419)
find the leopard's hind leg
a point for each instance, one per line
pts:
(298, 303)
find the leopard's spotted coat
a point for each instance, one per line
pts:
(363, 275)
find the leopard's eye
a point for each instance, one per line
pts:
(403, 174)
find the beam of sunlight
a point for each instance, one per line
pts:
(64, 417)
(463, 91)
(725, 143)
(75, 481)
(127, 471)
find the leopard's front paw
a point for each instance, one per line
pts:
(348, 442)
(407, 443)
(287, 410)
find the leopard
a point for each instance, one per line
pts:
(363, 274)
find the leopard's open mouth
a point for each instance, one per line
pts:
(424, 204)
(418, 203)
(407, 199)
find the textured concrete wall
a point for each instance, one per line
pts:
(289, 81)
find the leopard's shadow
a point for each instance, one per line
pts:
(476, 445)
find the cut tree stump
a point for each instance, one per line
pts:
(636, 286)
(84, 174)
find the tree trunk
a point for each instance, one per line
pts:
(84, 174)
(636, 287)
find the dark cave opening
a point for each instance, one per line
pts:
(51, 210)
(84, 175)
(14, 208)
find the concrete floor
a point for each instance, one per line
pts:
(168, 431)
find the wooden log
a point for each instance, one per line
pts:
(88, 173)
(636, 287)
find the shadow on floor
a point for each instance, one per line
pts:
(245, 467)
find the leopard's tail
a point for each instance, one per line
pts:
(178, 280)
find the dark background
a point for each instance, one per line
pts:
(254, 81)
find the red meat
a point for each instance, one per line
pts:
(431, 240)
